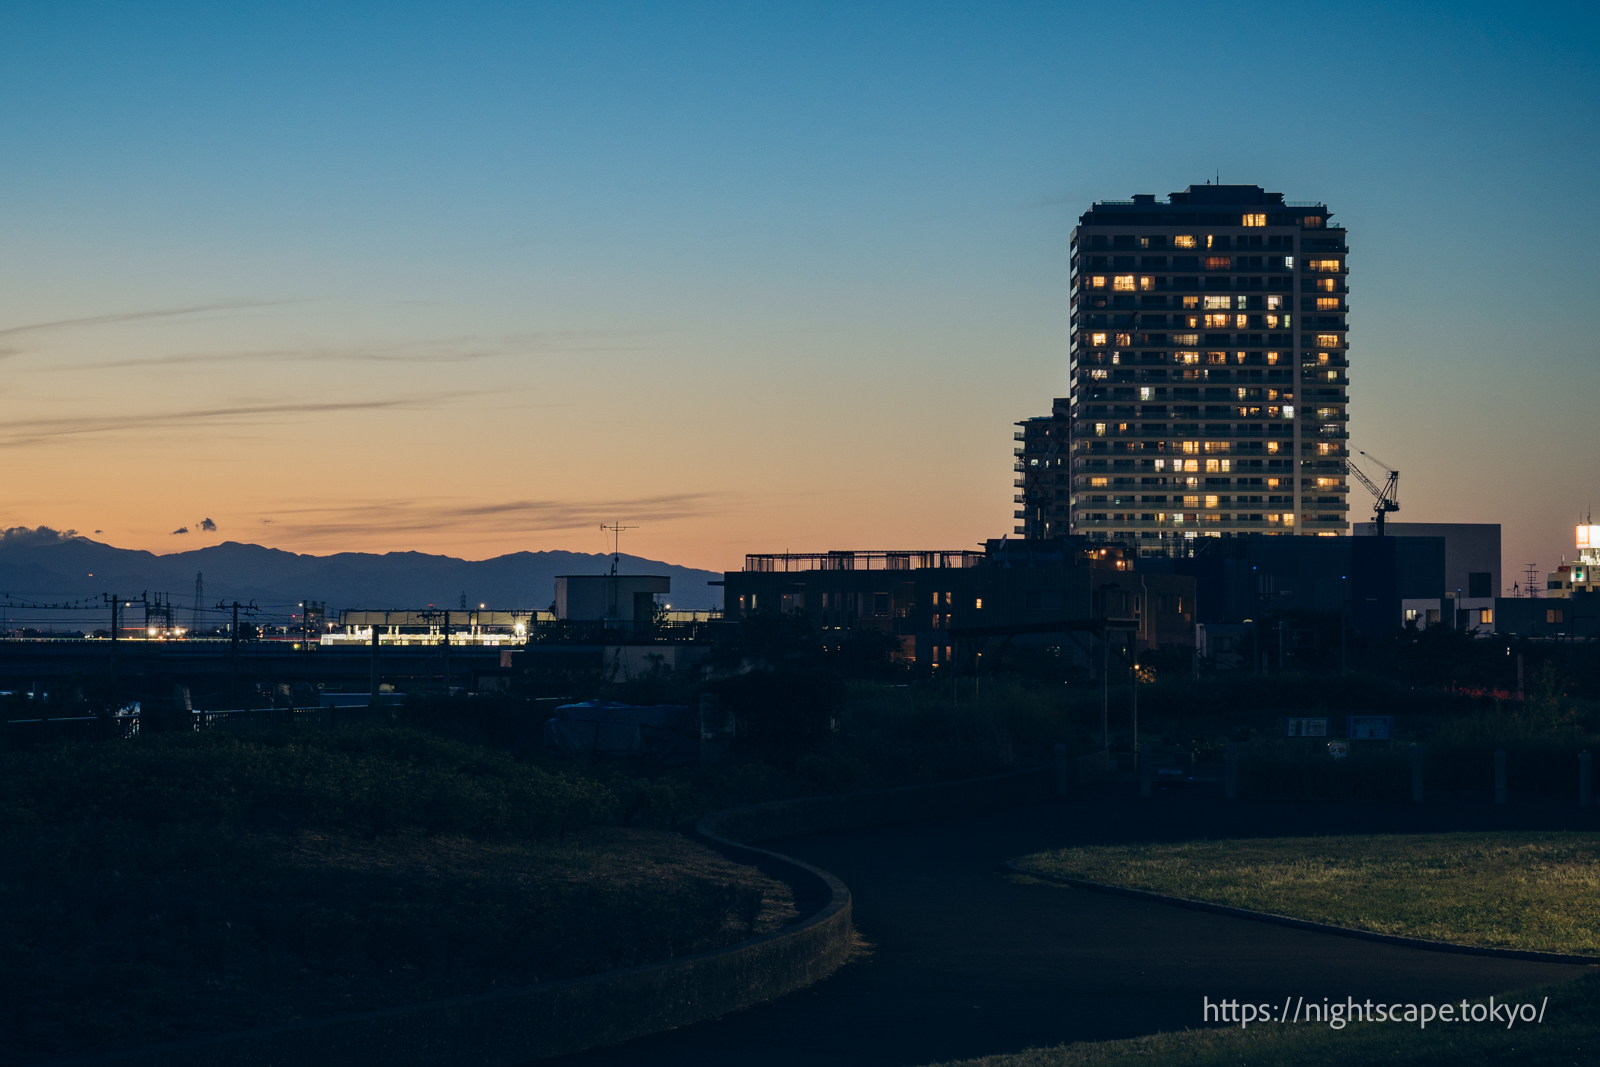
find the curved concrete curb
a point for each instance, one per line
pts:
(515, 1026)
(1306, 924)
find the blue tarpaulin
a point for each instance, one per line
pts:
(665, 734)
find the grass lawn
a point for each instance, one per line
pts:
(1570, 1034)
(182, 885)
(1504, 890)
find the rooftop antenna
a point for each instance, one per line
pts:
(1531, 576)
(616, 544)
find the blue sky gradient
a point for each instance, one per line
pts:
(477, 277)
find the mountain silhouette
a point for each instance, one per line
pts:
(45, 565)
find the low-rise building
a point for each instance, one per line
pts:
(921, 597)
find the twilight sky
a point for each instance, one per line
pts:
(473, 278)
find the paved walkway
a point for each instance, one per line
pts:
(963, 961)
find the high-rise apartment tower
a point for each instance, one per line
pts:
(1208, 366)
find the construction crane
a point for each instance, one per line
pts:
(1386, 499)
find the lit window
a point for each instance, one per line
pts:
(1124, 340)
(1325, 450)
(1272, 322)
(1191, 447)
(1213, 466)
(1097, 483)
(1312, 222)
(1099, 429)
(978, 603)
(1161, 464)
(1186, 339)
(1273, 518)
(1219, 263)
(1146, 393)
(1326, 266)
(1098, 340)
(1239, 321)
(1274, 303)
(1327, 483)
(1272, 358)
(1254, 220)
(1211, 501)
(1555, 615)
(1326, 285)
(1288, 520)
(1123, 282)
(1327, 340)
(1183, 240)
(1288, 411)
(1217, 446)
(1238, 357)
(1147, 283)
(1188, 465)
(1273, 483)
(1099, 374)
(1217, 357)
(1097, 282)
(1486, 615)
(1327, 303)
(1191, 301)
(1272, 447)
(1191, 501)
(1217, 302)
(1209, 239)
(1218, 322)
(1288, 261)
(1322, 358)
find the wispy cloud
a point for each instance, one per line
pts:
(445, 350)
(337, 522)
(20, 432)
(135, 316)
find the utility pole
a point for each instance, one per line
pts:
(1133, 689)
(372, 698)
(1105, 688)
(447, 651)
(199, 594)
(233, 643)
